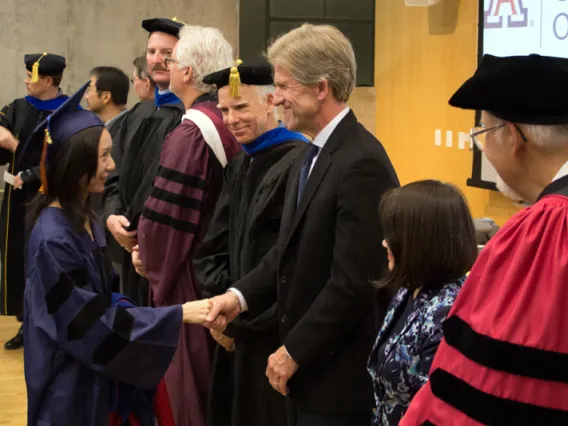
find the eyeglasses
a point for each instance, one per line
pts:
(479, 134)
(169, 60)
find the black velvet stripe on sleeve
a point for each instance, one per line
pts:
(175, 176)
(117, 340)
(177, 199)
(505, 356)
(177, 224)
(489, 409)
(86, 318)
(60, 292)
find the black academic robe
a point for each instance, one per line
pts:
(20, 118)
(244, 228)
(136, 152)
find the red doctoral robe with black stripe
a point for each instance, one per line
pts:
(504, 356)
(175, 219)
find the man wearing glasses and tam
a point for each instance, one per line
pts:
(504, 354)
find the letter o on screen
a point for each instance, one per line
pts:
(560, 27)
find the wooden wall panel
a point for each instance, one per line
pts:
(423, 54)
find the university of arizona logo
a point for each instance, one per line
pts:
(516, 14)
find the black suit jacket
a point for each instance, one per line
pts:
(321, 271)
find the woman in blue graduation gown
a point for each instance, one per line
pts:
(78, 346)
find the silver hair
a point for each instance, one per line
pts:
(551, 137)
(263, 92)
(312, 53)
(141, 67)
(205, 50)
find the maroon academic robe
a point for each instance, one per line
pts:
(504, 356)
(175, 219)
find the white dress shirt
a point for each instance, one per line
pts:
(562, 172)
(320, 140)
(323, 136)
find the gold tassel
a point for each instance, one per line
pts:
(35, 69)
(48, 137)
(177, 20)
(42, 166)
(235, 80)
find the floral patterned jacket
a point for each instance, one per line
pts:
(409, 354)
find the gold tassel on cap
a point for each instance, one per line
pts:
(177, 20)
(35, 69)
(235, 80)
(42, 166)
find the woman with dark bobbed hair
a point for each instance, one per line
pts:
(83, 344)
(430, 243)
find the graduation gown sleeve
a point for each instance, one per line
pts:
(7, 120)
(32, 175)
(212, 260)
(134, 346)
(172, 214)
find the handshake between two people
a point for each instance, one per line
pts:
(215, 314)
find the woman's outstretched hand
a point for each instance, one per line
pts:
(196, 312)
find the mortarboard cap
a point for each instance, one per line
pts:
(60, 125)
(44, 64)
(252, 75)
(164, 25)
(521, 89)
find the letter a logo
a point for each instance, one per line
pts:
(517, 15)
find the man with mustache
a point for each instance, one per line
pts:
(17, 122)
(245, 227)
(503, 357)
(136, 151)
(181, 203)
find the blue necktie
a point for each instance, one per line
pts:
(305, 171)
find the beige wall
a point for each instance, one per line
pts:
(93, 32)
(423, 54)
(363, 104)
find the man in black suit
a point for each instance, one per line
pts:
(322, 269)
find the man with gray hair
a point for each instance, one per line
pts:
(141, 79)
(321, 271)
(245, 227)
(503, 357)
(176, 214)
